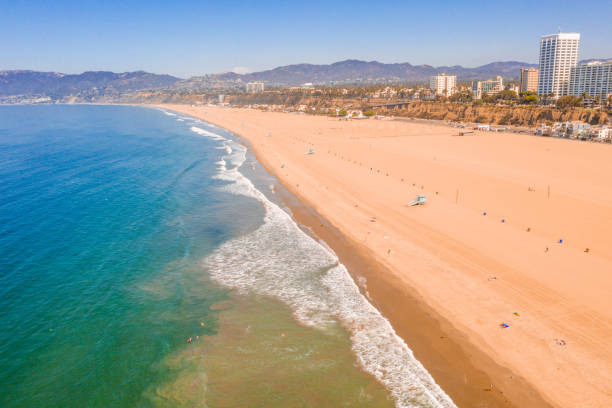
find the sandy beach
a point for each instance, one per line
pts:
(516, 231)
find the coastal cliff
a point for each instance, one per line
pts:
(500, 115)
(517, 115)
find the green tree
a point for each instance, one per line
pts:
(507, 95)
(569, 101)
(342, 112)
(462, 96)
(492, 99)
(440, 98)
(369, 112)
(528, 98)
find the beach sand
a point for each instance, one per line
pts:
(525, 263)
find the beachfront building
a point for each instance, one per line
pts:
(529, 80)
(573, 130)
(601, 133)
(491, 87)
(254, 87)
(443, 84)
(543, 130)
(593, 79)
(558, 55)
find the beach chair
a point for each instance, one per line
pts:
(420, 200)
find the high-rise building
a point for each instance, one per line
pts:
(254, 87)
(558, 55)
(529, 80)
(593, 79)
(491, 87)
(443, 84)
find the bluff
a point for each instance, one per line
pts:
(500, 115)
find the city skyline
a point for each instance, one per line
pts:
(200, 38)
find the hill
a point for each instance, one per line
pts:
(21, 86)
(86, 85)
(355, 72)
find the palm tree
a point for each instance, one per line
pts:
(597, 101)
(586, 98)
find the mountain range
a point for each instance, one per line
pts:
(94, 84)
(356, 71)
(57, 85)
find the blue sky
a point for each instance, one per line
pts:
(187, 38)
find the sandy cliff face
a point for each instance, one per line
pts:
(501, 115)
(525, 116)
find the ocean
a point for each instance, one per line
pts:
(146, 261)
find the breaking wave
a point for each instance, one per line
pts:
(280, 260)
(203, 132)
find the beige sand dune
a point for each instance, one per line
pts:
(472, 268)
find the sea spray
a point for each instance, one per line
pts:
(280, 260)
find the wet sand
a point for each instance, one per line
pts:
(446, 274)
(460, 368)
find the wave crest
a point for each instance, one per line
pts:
(280, 260)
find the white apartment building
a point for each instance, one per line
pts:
(443, 84)
(558, 55)
(594, 79)
(490, 87)
(254, 87)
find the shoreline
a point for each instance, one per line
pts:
(443, 256)
(449, 358)
(447, 355)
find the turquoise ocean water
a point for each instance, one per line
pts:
(145, 262)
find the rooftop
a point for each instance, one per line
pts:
(563, 36)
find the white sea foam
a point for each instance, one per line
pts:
(169, 113)
(281, 260)
(203, 132)
(222, 165)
